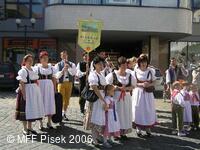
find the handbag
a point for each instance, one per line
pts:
(149, 89)
(89, 94)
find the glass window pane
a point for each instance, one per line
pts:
(179, 51)
(37, 11)
(54, 1)
(11, 1)
(196, 3)
(73, 1)
(38, 1)
(24, 10)
(11, 10)
(24, 1)
(160, 3)
(196, 15)
(185, 3)
(88, 1)
(118, 2)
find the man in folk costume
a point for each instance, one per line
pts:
(175, 73)
(102, 55)
(66, 71)
(82, 70)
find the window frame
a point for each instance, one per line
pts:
(30, 3)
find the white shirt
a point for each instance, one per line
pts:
(71, 70)
(79, 73)
(93, 78)
(124, 80)
(45, 71)
(22, 74)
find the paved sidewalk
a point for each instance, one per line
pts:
(70, 135)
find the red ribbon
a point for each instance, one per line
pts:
(122, 95)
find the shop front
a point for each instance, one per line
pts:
(14, 49)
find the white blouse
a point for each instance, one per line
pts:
(124, 80)
(93, 78)
(22, 74)
(142, 75)
(45, 71)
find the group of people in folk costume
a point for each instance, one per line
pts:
(184, 98)
(122, 98)
(37, 87)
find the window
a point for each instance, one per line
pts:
(11, 10)
(185, 3)
(54, 1)
(38, 1)
(24, 1)
(196, 3)
(11, 0)
(24, 11)
(196, 15)
(160, 3)
(24, 8)
(37, 11)
(186, 52)
(72, 1)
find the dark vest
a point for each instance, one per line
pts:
(117, 83)
(176, 74)
(43, 77)
(82, 66)
(61, 66)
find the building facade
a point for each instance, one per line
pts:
(130, 27)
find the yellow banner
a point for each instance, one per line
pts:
(89, 35)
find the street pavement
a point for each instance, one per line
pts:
(71, 135)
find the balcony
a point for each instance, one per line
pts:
(126, 19)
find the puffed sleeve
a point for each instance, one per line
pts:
(153, 72)
(109, 78)
(93, 79)
(58, 74)
(79, 73)
(22, 75)
(35, 69)
(168, 79)
(54, 71)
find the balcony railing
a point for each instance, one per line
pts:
(146, 3)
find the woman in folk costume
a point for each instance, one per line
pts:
(187, 117)
(195, 102)
(144, 112)
(30, 106)
(47, 84)
(97, 82)
(123, 83)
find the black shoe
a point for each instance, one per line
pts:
(25, 132)
(117, 138)
(65, 118)
(124, 137)
(139, 134)
(96, 145)
(41, 128)
(31, 131)
(149, 134)
(49, 126)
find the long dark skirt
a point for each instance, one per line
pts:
(20, 113)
